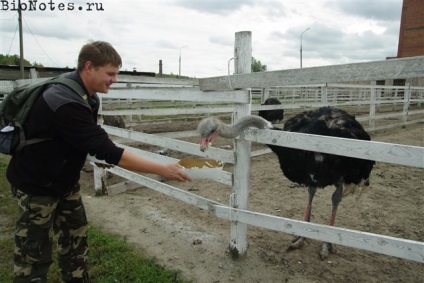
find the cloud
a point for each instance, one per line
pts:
(222, 40)
(166, 44)
(221, 7)
(383, 10)
(144, 32)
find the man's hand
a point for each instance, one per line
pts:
(104, 166)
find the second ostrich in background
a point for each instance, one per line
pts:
(273, 116)
(310, 169)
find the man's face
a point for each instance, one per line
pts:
(101, 78)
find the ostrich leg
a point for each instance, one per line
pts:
(336, 198)
(299, 240)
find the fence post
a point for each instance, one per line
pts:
(406, 102)
(265, 94)
(240, 191)
(100, 117)
(324, 94)
(33, 73)
(99, 180)
(378, 94)
(372, 106)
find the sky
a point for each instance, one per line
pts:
(331, 32)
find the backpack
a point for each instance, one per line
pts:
(15, 109)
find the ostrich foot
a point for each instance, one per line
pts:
(325, 250)
(296, 243)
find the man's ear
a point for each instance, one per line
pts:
(88, 66)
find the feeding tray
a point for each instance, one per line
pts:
(201, 168)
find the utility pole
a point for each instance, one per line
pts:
(301, 46)
(179, 68)
(21, 41)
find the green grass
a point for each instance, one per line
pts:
(111, 259)
(115, 261)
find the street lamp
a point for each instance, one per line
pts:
(301, 46)
(179, 70)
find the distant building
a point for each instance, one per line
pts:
(411, 38)
(411, 34)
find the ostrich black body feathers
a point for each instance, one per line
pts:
(319, 169)
(311, 169)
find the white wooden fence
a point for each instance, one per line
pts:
(370, 101)
(217, 90)
(241, 99)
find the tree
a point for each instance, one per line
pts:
(257, 66)
(35, 64)
(14, 60)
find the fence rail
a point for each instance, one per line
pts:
(185, 99)
(401, 248)
(404, 68)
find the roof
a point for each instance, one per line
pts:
(12, 72)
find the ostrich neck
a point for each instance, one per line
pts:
(232, 131)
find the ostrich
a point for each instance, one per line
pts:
(274, 116)
(310, 169)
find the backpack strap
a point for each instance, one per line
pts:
(22, 141)
(73, 85)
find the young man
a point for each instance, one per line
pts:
(44, 176)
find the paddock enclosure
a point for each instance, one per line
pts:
(152, 108)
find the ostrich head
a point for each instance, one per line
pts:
(212, 126)
(273, 116)
(207, 129)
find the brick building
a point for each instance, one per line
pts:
(411, 34)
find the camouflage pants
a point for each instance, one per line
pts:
(39, 216)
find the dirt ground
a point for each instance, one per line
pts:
(189, 239)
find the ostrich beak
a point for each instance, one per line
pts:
(204, 145)
(204, 142)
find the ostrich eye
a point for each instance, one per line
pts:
(213, 130)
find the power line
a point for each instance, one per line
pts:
(16, 30)
(5, 19)
(10, 48)
(39, 43)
